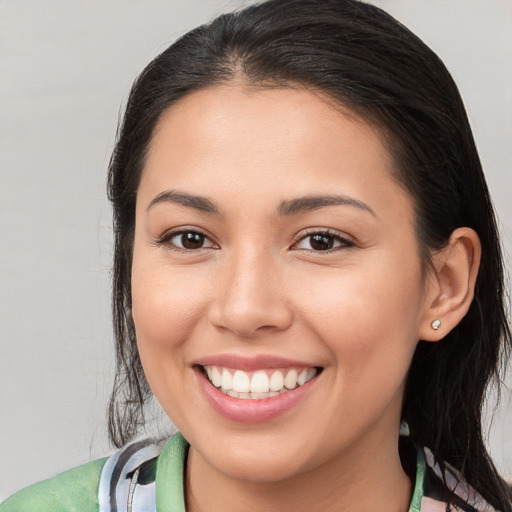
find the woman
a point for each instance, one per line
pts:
(306, 257)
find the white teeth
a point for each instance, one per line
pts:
(227, 380)
(290, 381)
(241, 383)
(303, 377)
(261, 395)
(276, 381)
(259, 383)
(215, 377)
(251, 396)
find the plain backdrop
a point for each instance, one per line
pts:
(65, 71)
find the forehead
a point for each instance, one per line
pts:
(283, 142)
(269, 112)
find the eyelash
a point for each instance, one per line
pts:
(333, 236)
(344, 242)
(166, 239)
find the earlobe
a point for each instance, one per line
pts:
(451, 285)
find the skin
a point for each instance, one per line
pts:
(257, 286)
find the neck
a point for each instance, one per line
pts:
(361, 479)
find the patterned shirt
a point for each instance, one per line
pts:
(132, 480)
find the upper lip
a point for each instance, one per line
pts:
(258, 362)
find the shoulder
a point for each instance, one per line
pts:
(73, 490)
(143, 475)
(99, 486)
(445, 480)
(437, 487)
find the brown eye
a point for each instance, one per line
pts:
(192, 240)
(189, 240)
(323, 241)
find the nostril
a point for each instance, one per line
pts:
(249, 322)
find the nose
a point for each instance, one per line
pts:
(251, 299)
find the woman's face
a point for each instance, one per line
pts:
(275, 251)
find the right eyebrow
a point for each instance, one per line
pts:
(199, 203)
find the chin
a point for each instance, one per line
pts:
(257, 457)
(259, 468)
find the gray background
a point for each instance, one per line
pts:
(65, 70)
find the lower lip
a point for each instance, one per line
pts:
(251, 411)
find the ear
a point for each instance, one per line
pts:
(451, 284)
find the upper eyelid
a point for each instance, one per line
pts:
(182, 229)
(346, 242)
(169, 234)
(323, 231)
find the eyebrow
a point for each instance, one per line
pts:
(286, 208)
(202, 204)
(311, 203)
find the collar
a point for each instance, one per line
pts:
(170, 475)
(171, 471)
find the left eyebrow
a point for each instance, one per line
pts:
(311, 203)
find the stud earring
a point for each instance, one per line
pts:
(436, 324)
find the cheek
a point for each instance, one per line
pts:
(367, 317)
(167, 307)
(160, 319)
(166, 304)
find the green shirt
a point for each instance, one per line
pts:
(146, 477)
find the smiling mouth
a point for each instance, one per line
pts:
(257, 385)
